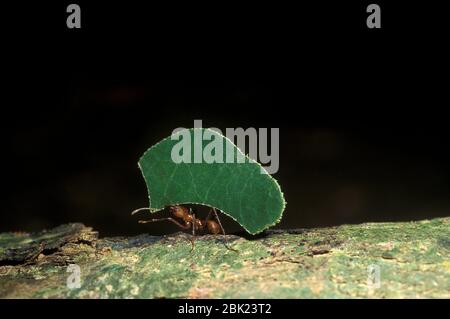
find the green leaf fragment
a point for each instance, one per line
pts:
(240, 190)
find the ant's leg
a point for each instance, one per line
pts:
(193, 224)
(209, 216)
(139, 210)
(193, 232)
(216, 216)
(185, 226)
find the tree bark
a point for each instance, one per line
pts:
(373, 260)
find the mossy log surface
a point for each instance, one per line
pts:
(411, 258)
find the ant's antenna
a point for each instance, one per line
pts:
(139, 210)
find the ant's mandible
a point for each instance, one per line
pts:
(185, 219)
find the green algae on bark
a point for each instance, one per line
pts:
(413, 259)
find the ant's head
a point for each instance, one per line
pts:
(179, 211)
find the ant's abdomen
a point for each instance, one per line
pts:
(213, 227)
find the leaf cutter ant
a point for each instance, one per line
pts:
(185, 219)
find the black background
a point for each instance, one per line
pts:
(362, 113)
(280, 308)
